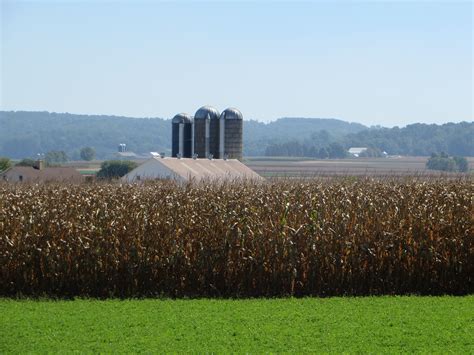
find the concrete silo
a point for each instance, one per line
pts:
(206, 132)
(231, 132)
(181, 135)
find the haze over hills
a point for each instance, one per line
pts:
(25, 134)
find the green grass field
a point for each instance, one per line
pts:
(371, 324)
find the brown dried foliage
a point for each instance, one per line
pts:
(238, 240)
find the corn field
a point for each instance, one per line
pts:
(282, 238)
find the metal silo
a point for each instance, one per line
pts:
(188, 138)
(181, 138)
(206, 132)
(231, 130)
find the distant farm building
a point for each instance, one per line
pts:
(129, 155)
(189, 169)
(124, 154)
(356, 151)
(39, 173)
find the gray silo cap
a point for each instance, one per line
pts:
(206, 111)
(232, 114)
(182, 118)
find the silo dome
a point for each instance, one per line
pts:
(204, 111)
(182, 118)
(232, 114)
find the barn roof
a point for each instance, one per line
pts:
(192, 169)
(357, 150)
(31, 174)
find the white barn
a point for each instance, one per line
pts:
(186, 169)
(356, 151)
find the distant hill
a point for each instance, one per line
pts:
(25, 134)
(418, 139)
(258, 135)
(456, 139)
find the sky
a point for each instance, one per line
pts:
(377, 63)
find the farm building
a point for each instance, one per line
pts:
(188, 169)
(356, 151)
(39, 173)
(207, 146)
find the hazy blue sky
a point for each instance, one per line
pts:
(374, 62)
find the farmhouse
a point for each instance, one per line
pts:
(189, 169)
(39, 173)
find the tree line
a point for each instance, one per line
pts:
(26, 134)
(444, 162)
(418, 139)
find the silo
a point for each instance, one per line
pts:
(181, 135)
(188, 138)
(206, 132)
(231, 128)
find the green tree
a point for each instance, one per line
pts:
(442, 163)
(114, 169)
(26, 162)
(371, 152)
(323, 153)
(87, 153)
(5, 163)
(56, 157)
(336, 150)
(461, 164)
